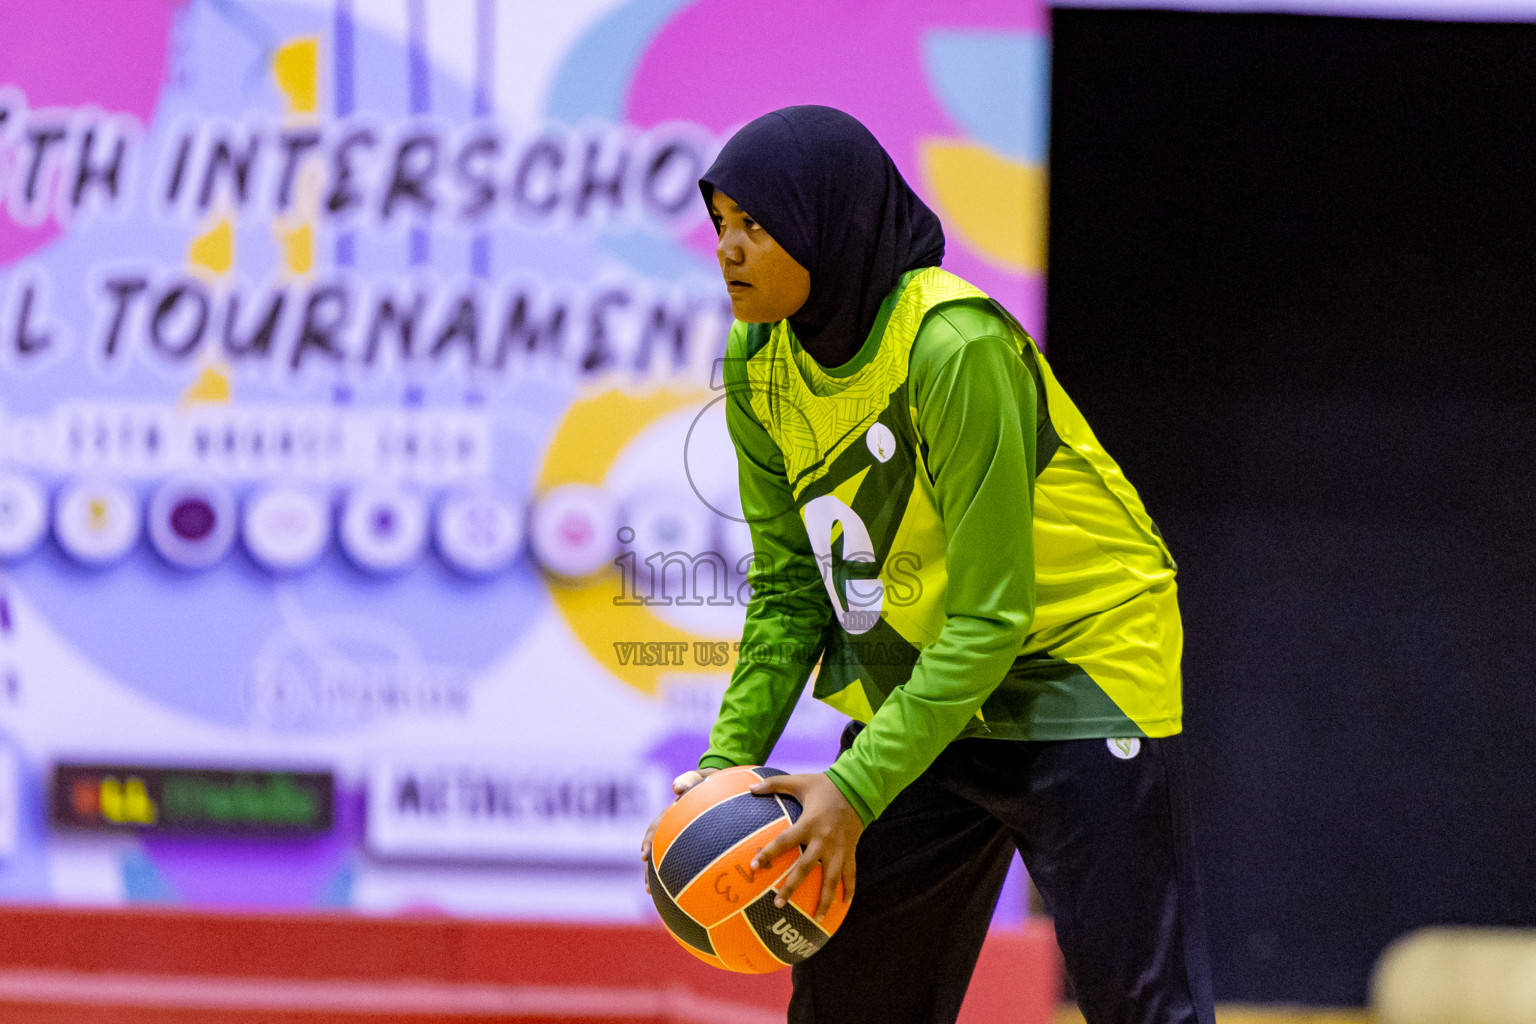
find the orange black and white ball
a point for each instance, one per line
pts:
(711, 899)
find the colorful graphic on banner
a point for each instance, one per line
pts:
(355, 397)
(197, 801)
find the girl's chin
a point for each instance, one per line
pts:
(750, 313)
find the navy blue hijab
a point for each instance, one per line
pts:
(825, 189)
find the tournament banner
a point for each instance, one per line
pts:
(369, 534)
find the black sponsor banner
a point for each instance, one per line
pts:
(192, 800)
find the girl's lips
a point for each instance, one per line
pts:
(733, 285)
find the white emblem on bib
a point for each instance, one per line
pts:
(882, 443)
(1124, 749)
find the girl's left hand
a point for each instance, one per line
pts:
(828, 828)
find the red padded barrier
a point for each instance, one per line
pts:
(160, 966)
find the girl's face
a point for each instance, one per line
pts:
(765, 283)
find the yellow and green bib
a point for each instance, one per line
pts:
(1102, 658)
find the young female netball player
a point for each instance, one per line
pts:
(936, 525)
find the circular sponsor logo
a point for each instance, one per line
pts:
(881, 442)
(572, 531)
(383, 527)
(96, 521)
(23, 515)
(667, 522)
(478, 531)
(1124, 749)
(286, 527)
(192, 522)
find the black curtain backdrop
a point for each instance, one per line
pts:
(1293, 287)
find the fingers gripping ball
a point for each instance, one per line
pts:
(709, 896)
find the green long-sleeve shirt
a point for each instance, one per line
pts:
(937, 525)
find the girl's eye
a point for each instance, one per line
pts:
(749, 222)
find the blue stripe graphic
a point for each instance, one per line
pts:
(712, 833)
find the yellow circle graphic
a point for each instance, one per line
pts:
(592, 436)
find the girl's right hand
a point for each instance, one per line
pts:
(680, 785)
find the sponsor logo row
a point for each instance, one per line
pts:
(193, 523)
(423, 809)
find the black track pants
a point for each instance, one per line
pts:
(1106, 840)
